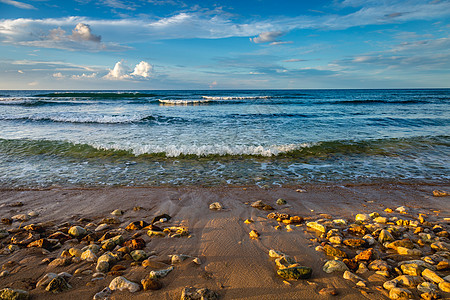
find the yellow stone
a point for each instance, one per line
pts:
(388, 210)
(254, 234)
(248, 221)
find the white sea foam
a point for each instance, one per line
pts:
(68, 118)
(235, 97)
(205, 150)
(182, 101)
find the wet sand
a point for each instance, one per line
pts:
(233, 265)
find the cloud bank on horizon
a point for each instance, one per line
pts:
(176, 44)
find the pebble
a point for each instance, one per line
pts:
(317, 226)
(151, 284)
(77, 231)
(121, 283)
(353, 277)
(117, 212)
(254, 234)
(445, 286)
(215, 206)
(57, 285)
(328, 291)
(400, 294)
(103, 294)
(191, 293)
(160, 273)
(14, 294)
(102, 227)
(334, 266)
(294, 273)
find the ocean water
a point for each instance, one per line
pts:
(262, 137)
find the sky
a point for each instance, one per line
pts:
(234, 44)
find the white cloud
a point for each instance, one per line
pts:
(119, 72)
(83, 32)
(84, 76)
(20, 71)
(142, 69)
(18, 4)
(266, 37)
(58, 75)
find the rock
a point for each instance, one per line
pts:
(361, 284)
(21, 217)
(364, 255)
(102, 227)
(248, 221)
(445, 286)
(281, 202)
(406, 243)
(151, 284)
(335, 266)
(328, 291)
(381, 220)
(440, 246)
(153, 233)
(409, 281)
(10, 294)
(45, 280)
(410, 252)
(369, 239)
(295, 273)
(215, 206)
(160, 273)
(191, 293)
(42, 243)
(103, 294)
(431, 276)
(75, 252)
(160, 217)
(426, 287)
(430, 296)
(400, 294)
(419, 263)
(110, 221)
(60, 262)
(137, 225)
(284, 262)
(401, 209)
(355, 243)
(340, 222)
(357, 229)
(337, 240)
(389, 285)
(117, 212)
(57, 285)
(363, 269)
(178, 258)
(4, 273)
(362, 217)
(24, 238)
(385, 236)
(332, 251)
(138, 255)
(77, 231)
(121, 283)
(440, 193)
(254, 234)
(104, 262)
(135, 244)
(412, 269)
(275, 254)
(197, 261)
(317, 226)
(88, 255)
(351, 276)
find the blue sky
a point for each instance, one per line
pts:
(252, 44)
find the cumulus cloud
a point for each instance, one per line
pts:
(122, 71)
(83, 32)
(266, 37)
(84, 76)
(18, 4)
(142, 69)
(58, 75)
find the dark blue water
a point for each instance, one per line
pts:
(281, 137)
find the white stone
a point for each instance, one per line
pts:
(160, 273)
(121, 283)
(334, 266)
(215, 206)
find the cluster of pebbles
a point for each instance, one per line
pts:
(101, 249)
(403, 253)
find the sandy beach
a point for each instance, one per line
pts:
(231, 263)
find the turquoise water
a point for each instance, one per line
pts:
(281, 137)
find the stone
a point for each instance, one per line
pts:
(400, 294)
(151, 284)
(412, 269)
(388, 285)
(340, 222)
(160, 273)
(362, 217)
(351, 276)
(138, 255)
(332, 251)
(248, 221)
(409, 281)
(406, 243)
(75, 252)
(445, 286)
(294, 273)
(57, 285)
(440, 246)
(135, 244)
(178, 258)
(4, 273)
(440, 193)
(351, 263)
(361, 284)
(430, 295)
(385, 236)
(153, 233)
(328, 291)
(317, 226)
(364, 255)
(88, 255)
(42, 243)
(103, 294)
(137, 225)
(431, 276)
(284, 262)
(254, 234)
(337, 240)
(355, 243)
(410, 252)
(426, 287)
(381, 220)
(102, 227)
(363, 269)
(77, 231)
(369, 239)
(275, 254)
(121, 283)
(215, 206)
(334, 266)
(45, 280)
(21, 217)
(443, 265)
(419, 263)
(281, 202)
(60, 262)
(357, 229)
(401, 209)
(110, 221)
(197, 261)
(13, 294)
(117, 212)
(191, 293)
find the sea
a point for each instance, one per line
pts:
(229, 137)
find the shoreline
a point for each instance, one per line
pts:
(232, 264)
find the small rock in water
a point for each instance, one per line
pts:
(191, 293)
(121, 283)
(215, 206)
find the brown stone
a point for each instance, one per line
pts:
(116, 268)
(328, 291)
(332, 251)
(151, 284)
(41, 243)
(443, 265)
(7, 221)
(351, 263)
(406, 243)
(364, 255)
(135, 244)
(61, 236)
(357, 229)
(137, 225)
(355, 243)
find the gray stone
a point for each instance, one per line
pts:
(335, 266)
(10, 294)
(103, 294)
(191, 293)
(121, 283)
(77, 231)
